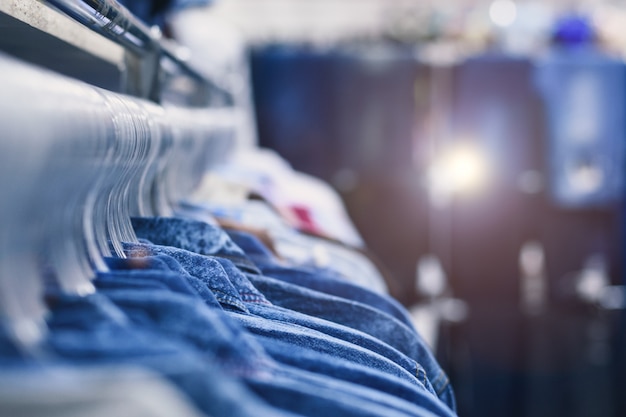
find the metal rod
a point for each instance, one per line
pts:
(111, 20)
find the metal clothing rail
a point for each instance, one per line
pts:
(110, 19)
(70, 181)
(152, 67)
(114, 22)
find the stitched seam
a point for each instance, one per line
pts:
(419, 370)
(442, 389)
(225, 298)
(230, 300)
(441, 382)
(253, 298)
(441, 375)
(264, 302)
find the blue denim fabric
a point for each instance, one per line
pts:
(91, 330)
(199, 266)
(160, 263)
(315, 361)
(318, 279)
(180, 316)
(248, 253)
(304, 338)
(326, 327)
(235, 291)
(309, 360)
(207, 239)
(192, 235)
(361, 317)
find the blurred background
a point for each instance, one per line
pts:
(479, 148)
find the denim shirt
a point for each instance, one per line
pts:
(91, 330)
(207, 239)
(319, 279)
(237, 294)
(280, 384)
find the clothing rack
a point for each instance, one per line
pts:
(109, 262)
(151, 66)
(91, 157)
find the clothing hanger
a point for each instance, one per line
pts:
(48, 169)
(81, 156)
(159, 146)
(87, 159)
(22, 158)
(195, 140)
